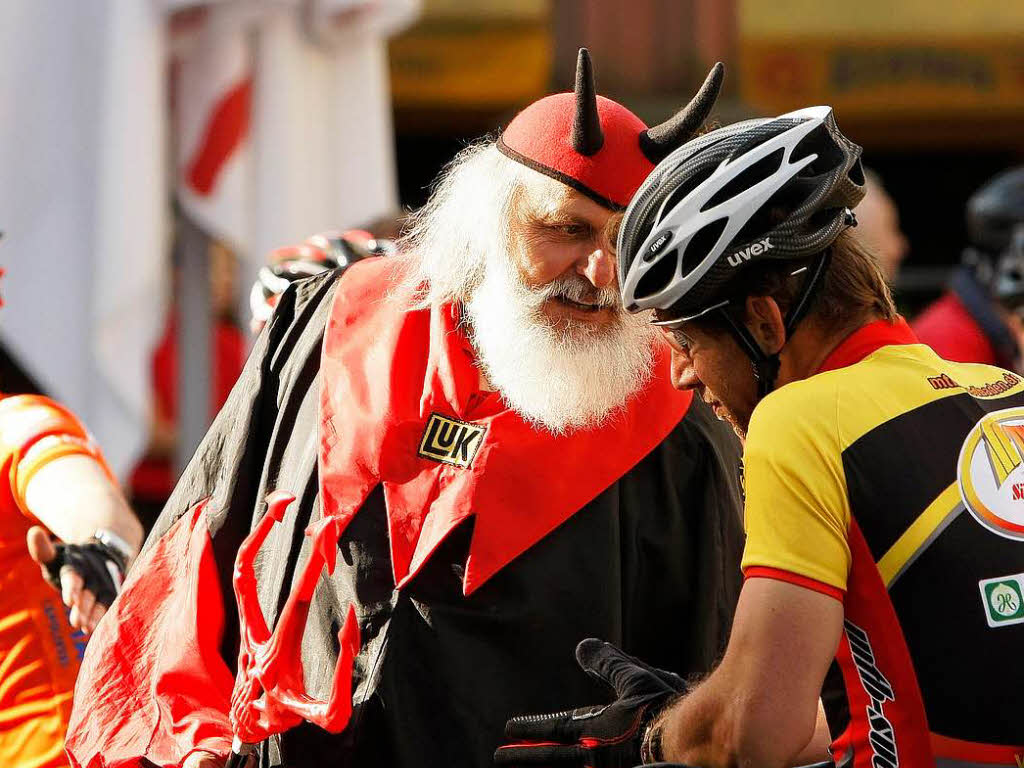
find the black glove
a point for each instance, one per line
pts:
(101, 567)
(605, 736)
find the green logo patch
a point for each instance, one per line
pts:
(1003, 598)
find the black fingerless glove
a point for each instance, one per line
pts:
(101, 567)
(605, 736)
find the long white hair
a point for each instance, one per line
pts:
(469, 215)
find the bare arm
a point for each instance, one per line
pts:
(73, 497)
(760, 706)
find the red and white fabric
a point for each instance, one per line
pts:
(283, 118)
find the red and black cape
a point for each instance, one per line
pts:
(484, 620)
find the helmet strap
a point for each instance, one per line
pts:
(766, 366)
(816, 273)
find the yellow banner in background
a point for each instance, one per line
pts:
(467, 54)
(899, 78)
(470, 66)
(486, 9)
(906, 58)
(878, 19)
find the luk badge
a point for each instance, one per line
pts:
(1003, 599)
(990, 472)
(450, 441)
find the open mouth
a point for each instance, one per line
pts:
(582, 307)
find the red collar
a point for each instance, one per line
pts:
(867, 339)
(399, 386)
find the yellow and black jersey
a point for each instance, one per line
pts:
(893, 480)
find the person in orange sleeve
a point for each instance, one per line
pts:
(57, 486)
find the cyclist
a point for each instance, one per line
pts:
(884, 485)
(56, 484)
(975, 321)
(878, 224)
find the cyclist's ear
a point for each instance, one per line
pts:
(765, 323)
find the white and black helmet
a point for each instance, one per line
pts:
(769, 190)
(766, 189)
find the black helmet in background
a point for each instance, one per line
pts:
(995, 210)
(1008, 278)
(995, 232)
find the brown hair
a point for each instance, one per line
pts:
(852, 292)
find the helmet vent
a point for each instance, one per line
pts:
(703, 242)
(698, 178)
(765, 133)
(659, 276)
(818, 142)
(856, 173)
(776, 209)
(747, 178)
(823, 218)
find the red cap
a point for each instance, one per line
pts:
(541, 137)
(596, 145)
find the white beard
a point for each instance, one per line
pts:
(576, 377)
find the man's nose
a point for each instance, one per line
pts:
(684, 376)
(598, 267)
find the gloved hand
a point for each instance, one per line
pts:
(100, 566)
(603, 736)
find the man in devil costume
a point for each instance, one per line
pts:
(498, 444)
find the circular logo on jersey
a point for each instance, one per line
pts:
(991, 472)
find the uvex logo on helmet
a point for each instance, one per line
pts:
(658, 245)
(761, 246)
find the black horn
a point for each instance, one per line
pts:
(587, 137)
(659, 141)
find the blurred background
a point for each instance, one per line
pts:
(152, 152)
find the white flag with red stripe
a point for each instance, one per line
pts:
(212, 81)
(283, 119)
